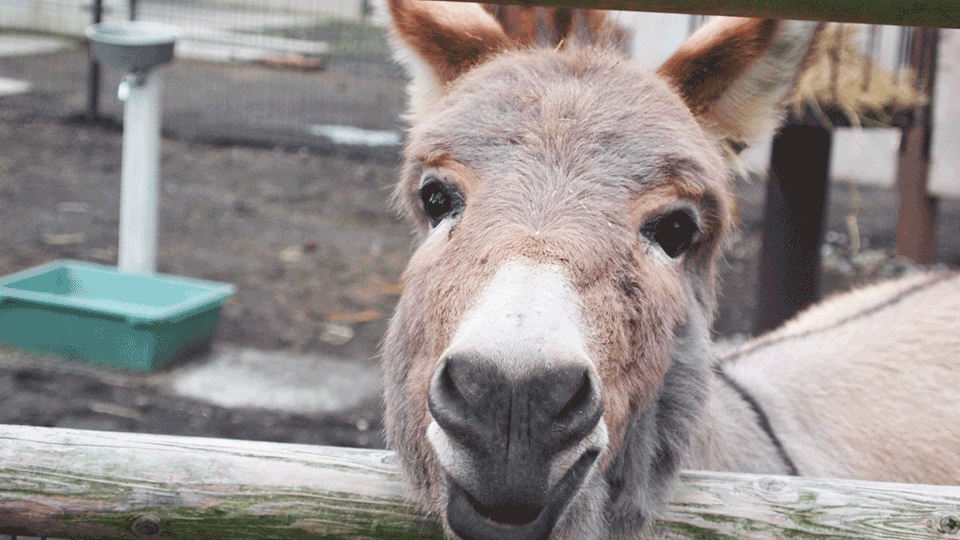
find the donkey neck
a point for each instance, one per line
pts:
(735, 433)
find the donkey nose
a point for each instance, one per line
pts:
(521, 420)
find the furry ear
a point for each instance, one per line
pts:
(438, 41)
(560, 26)
(736, 74)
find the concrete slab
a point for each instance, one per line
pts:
(280, 44)
(349, 135)
(26, 45)
(10, 87)
(224, 46)
(220, 52)
(236, 377)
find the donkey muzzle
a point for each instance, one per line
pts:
(515, 449)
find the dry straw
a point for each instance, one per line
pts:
(842, 77)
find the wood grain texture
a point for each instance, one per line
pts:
(937, 13)
(723, 505)
(84, 484)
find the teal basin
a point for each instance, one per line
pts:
(93, 312)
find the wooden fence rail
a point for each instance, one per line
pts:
(935, 13)
(76, 484)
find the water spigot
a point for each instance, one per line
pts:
(131, 80)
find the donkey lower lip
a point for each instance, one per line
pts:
(467, 516)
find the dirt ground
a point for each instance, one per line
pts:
(316, 254)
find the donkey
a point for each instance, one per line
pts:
(549, 366)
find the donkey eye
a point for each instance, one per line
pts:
(440, 200)
(673, 232)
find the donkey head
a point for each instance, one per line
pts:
(547, 361)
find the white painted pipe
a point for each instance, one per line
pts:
(140, 173)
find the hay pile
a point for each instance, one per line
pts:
(841, 76)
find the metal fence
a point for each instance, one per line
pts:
(245, 67)
(307, 69)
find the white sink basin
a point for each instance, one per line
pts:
(135, 46)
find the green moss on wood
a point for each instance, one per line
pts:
(692, 532)
(294, 520)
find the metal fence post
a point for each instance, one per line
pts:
(93, 73)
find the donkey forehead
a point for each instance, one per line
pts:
(588, 114)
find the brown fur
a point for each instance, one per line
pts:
(728, 70)
(452, 40)
(707, 64)
(562, 155)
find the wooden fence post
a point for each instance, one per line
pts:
(917, 217)
(793, 219)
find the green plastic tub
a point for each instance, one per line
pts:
(95, 313)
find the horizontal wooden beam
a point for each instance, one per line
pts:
(939, 13)
(64, 483)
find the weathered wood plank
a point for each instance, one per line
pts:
(937, 13)
(713, 505)
(83, 484)
(80, 484)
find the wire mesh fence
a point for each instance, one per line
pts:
(313, 68)
(308, 67)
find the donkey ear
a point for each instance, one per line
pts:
(438, 41)
(736, 74)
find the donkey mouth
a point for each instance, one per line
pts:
(472, 520)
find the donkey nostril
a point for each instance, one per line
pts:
(459, 397)
(466, 381)
(521, 423)
(448, 392)
(579, 400)
(445, 402)
(579, 413)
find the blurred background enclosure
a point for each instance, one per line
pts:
(301, 235)
(282, 124)
(312, 67)
(243, 65)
